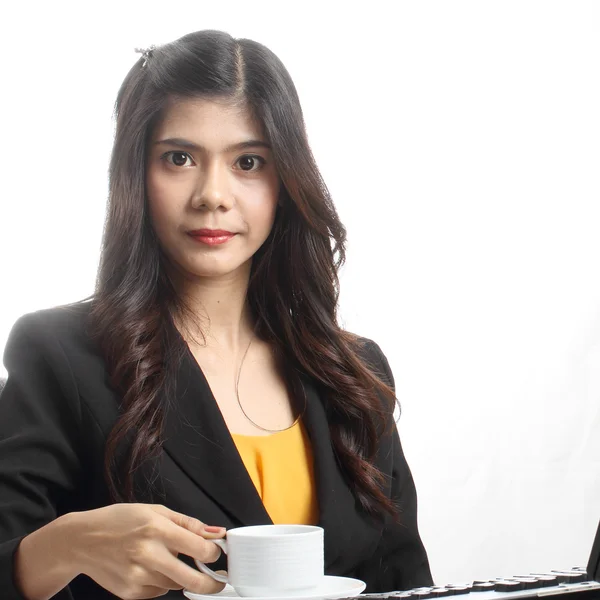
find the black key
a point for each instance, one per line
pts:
(570, 576)
(507, 585)
(529, 583)
(440, 592)
(560, 578)
(547, 580)
(457, 590)
(484, 586)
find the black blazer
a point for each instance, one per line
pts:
(57, 410)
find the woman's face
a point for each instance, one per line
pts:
(212, 187)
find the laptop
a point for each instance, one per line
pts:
(578, 583)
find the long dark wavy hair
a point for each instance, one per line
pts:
(294, 287)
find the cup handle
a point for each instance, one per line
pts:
(220, 578)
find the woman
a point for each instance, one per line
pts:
(207, 384)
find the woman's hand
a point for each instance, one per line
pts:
(131, 550)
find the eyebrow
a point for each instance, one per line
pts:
(188, 145)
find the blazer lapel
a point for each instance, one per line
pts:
(198, 440)
(339, 518)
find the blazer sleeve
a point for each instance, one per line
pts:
(40, 445)
(400, 561)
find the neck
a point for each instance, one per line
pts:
(220, 309)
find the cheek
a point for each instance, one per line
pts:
(260, 217)
(162, 203)
(261, 206)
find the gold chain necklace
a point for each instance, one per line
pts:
(237, 395)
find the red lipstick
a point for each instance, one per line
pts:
(211, 237)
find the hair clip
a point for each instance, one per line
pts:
(146, 53)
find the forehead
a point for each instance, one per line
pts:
(207, 121)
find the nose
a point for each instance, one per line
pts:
(212, 191)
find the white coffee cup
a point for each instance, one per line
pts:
(271, 560)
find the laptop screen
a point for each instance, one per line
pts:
(593, 568)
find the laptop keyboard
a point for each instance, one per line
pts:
(519, 586)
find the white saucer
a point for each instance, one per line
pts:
(330, 588)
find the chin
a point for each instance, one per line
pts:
(219, 270)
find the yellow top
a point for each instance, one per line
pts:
(281, 467)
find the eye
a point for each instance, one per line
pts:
(177, 158)
(251, 162)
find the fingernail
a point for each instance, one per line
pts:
(212, 529)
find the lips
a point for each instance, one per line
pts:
(210, 233)
(211, 237)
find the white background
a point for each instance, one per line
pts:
(461, 143)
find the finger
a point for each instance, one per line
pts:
(190, 523)
(186, 542)
(187, 577)
(158, 580)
